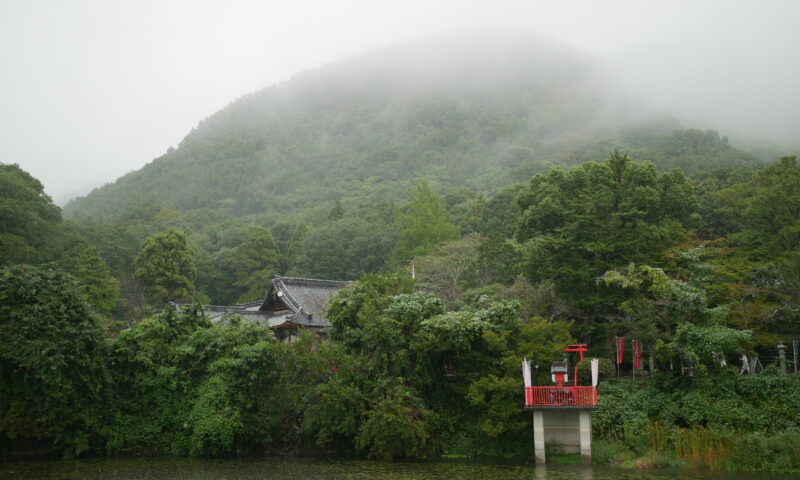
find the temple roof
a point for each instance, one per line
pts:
(289, 301)
(260, 318)
(307, 298)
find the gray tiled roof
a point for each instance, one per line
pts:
(217, 311)
(305, 298)
(259, 318)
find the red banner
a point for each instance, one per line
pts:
(637, 354)
(620, 349)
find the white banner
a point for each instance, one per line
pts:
(595, 371)
(526, 372)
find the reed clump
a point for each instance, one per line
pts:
(702, 446)
(657, 436)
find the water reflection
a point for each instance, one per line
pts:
(540, 473)
(581, 473)
(271, 469)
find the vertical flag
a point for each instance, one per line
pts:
(526, 372)
(620, 349)
(637, 354)
(595, 371)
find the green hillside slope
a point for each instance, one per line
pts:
(480, 113)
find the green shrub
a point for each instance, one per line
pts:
(610, 451)
(759, 452)
(395, 427)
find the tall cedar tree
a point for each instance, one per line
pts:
(254, 263)
(424, 225)
(164, 266)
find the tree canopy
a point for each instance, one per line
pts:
(28, 218)
(164, 265)
(423, 225)
(766, 209)
(578, 224)
(254, 262)
(53, 375)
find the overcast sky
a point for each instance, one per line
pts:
(90, 90)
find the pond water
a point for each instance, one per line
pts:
(272, 469)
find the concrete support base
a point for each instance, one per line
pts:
(585, 427)
(538, 436)
(570, 429)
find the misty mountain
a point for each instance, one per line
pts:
(79, 191)
(480, 111)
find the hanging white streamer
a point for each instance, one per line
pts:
(526, 372)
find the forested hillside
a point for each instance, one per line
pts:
(478, 113)
(325, 160)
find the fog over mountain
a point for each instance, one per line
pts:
(93, 89)
(475, 109)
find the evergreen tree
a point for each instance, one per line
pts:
(424, 225)
(299, 234)
(766, 209)
(254, 263)
(100, 288)
(599, 216)
(344, 250)
(164, 266)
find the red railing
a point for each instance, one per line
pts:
(561, 396)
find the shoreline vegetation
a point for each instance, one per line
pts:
(177, 385)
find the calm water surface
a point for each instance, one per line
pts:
(183, 469)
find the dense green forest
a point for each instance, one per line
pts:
(325, 161)
(537, 210)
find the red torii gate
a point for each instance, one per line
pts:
(581, 348)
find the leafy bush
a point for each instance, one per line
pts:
(760, 452)
(53, 362)
(396, 427)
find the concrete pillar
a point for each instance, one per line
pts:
(538, 436)
(782, 356)
(585, 426)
